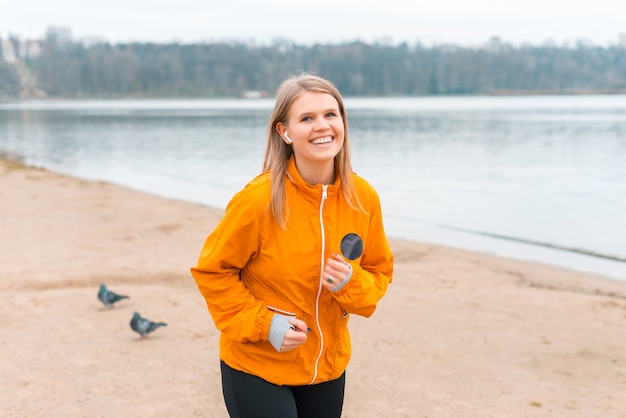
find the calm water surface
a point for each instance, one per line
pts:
(551, 170)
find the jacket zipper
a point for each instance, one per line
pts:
(319, 289)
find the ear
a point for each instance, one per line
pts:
(282, 131)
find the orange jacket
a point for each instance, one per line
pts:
(250, 268)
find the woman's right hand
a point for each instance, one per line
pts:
(296, 336)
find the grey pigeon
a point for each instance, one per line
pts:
(144, 326)
(107, 297)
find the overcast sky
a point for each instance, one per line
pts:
(460, 22)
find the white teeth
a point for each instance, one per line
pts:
(323, 140)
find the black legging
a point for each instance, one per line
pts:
(249, 396)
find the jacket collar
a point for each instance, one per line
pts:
(313, 192)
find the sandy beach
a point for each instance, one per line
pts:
(459, 334)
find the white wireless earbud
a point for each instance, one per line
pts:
(289, 140)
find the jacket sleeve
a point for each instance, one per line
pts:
(372, 276)
(235, 311)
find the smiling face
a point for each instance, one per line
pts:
(316, 128)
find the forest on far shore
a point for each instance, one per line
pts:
(59, 67)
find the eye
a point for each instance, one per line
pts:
(331, 115)
(305, 119)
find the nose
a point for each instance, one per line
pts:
(321, 124)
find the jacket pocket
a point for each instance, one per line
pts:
(280, 311)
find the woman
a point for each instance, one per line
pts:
(299, 249)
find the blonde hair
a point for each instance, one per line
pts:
(278, 153)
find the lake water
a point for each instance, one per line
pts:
(449, 170)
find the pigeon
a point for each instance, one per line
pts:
(109, 298)
(144, 326)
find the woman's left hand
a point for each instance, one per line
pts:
(335, 271)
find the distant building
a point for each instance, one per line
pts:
(12, 48)
(254, 94)
(59, 34)
(496, 44)
(89, 41)
(29, 49)
(622, 40)
(8, 52)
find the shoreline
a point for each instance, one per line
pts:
(580, 259)
(582, 251)
(460, 333)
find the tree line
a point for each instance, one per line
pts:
(68, 69)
